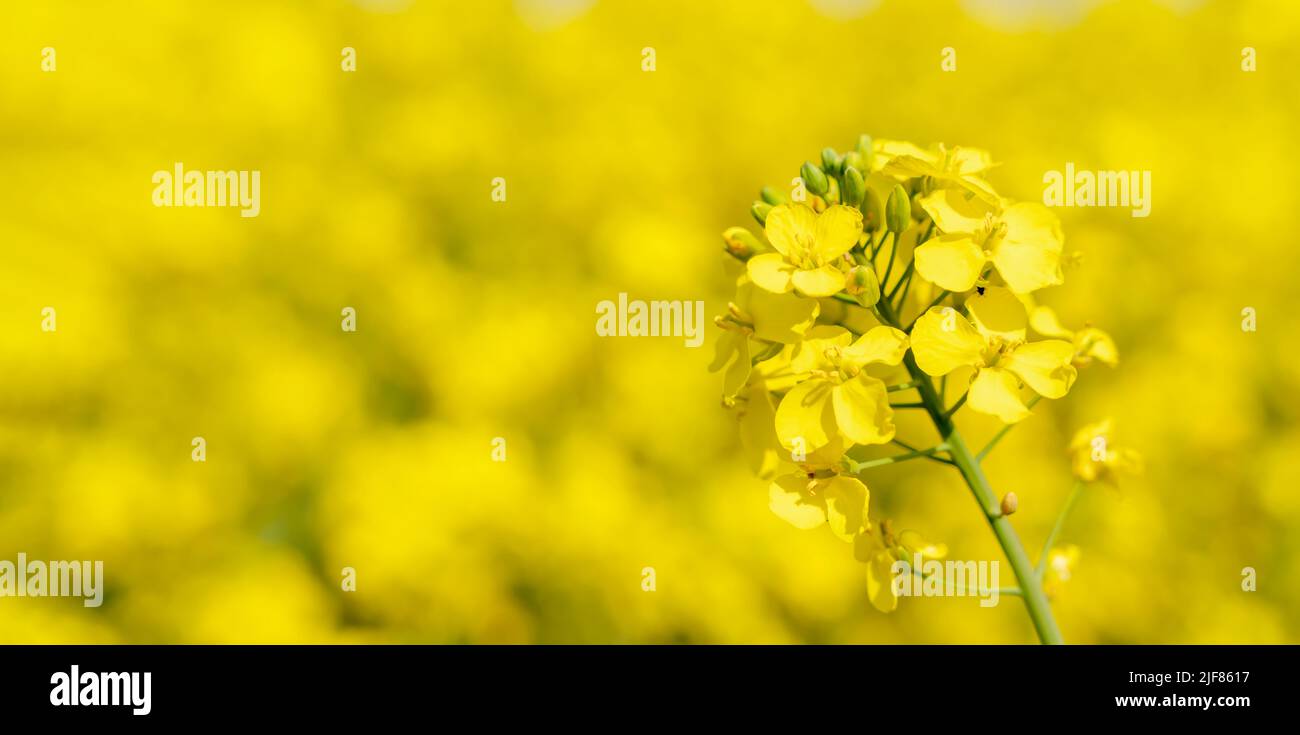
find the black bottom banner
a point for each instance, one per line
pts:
(675, 685)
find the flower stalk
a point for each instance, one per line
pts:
(1027, 577)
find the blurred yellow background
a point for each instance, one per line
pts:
(475, 318)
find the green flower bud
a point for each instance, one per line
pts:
(760, 210)
(865, 150)
(833, 191)
(831, 161)
(855, 187)
(873, 211)
(741, 243)
(814, 180)
(854, 159)
(898, 210)
(864, 285)
(772, 196)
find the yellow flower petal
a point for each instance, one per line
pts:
(956, 210)
(887, 150)
(838, 229)
(806, 414)
(997, 392)
(980, 188)
(758, 432)
(1044, 366)
(846, 505)
(880, 582)
(952, 262)
(998, 312)
(790, 228)
(910, 164)
(944, 340)
(810, 354)
(1044, 321)
(783, 318)
(827, 457)
(818, 282)
(866, 545)
(1030, 221)
(1029, 256)
(862, 411)
(771, 272)
(738, 373)
(967, 161)
(880, 344)
(1095, 344)
(725, 349)
(789, 499)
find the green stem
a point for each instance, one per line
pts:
(911, 448)
(1070, 499)
(1031, 585)
(889, 269)
(1039, 609)
(907, 272)
(1003, 432)
(911, 271)
(960, 402)
(856, 467)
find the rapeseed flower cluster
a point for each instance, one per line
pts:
(884, 270)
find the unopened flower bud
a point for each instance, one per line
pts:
(855, 187)
(831, 161)
(1009, 504)
(760, 210)
(832, 191)
(873, 211)
(741, 243)
(864, 285)
(772, 196)
(866, 151)
(852, 158)
(814, 179)
(898, 210)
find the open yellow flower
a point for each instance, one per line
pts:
(809, 249)
(1059, 568)
(808, 499)
(757, 315)
(879, 547)
(1095, 460)
(1023, 241)
(1090, 343)
(838, 400)
(958, 167)
(943, 340)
